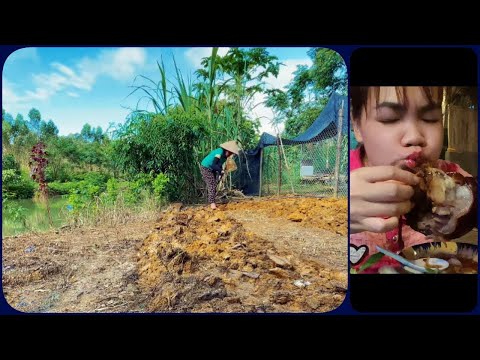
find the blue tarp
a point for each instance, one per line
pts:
(324, 126)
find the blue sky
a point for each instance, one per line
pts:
(77, 85)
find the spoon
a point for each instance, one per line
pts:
(404, 261)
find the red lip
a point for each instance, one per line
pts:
(414, 156)
(411, 160)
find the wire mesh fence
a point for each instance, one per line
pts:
(314, 163)
(314, 169)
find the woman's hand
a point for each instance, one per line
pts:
(378, 196)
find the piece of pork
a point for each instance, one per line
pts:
(445, 203)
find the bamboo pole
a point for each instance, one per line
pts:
(286, 163)
(283, 151)
(260, 175)
(339, 148)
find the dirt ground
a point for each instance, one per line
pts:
(254, 255)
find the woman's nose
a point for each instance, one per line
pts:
(413, 135)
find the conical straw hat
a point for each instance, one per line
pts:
(230, 146)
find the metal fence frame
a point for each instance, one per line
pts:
(314, 169)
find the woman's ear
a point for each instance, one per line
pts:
(356, 131)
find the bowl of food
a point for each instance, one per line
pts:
(443, 257)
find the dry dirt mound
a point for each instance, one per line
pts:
(239, 259)
(327, 214)
(204, 261)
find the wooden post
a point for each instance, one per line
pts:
(260, 175)
(283, 151)
(286, 165)
(339, 149)
(279, 182)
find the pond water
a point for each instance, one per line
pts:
(34, 215)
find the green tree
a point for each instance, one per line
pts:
(19, 119)
(35, 118)
(48, 129)
(21, 140)
(278, 101)
(98, 135)
(19, 128)
(328, 72)
(300, 122)
(248, 69)
(6, 135)
(9, 163)
(86, 132)
(7, 117)
(318, 82)
(162, 144)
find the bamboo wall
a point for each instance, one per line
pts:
(463, 138)
(462, 129)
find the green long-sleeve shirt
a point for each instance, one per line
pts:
(215, 160)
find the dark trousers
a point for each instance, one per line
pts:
(210, 179)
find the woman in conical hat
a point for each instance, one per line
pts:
(212, 167)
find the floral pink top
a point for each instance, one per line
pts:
(363, 245)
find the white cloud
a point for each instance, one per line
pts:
(195, 55)
(38, 94)
(119, 64)
(8, 94)
(72, 94)
(285, 76)
(82, 80)
(122, 64)
(63, 69)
